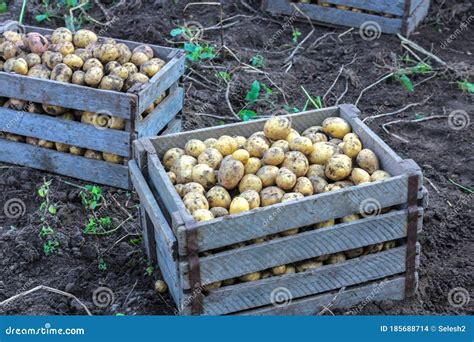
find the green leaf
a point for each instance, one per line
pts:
(418, 116)
(252, 95)
(3, 7)
(466, 87)
(247, 114)
(52, 210)
(406, 82)
(176, 32)
(42, 17)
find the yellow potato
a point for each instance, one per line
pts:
(367, 160)
(78, 151)
(279, 270)
(238, 205)
(271, 195)
(204, 175)
(194, 147)
(277, 127)
(91, 154)
(273, 156)
(133, 80)
(250, 277)
(61, 73)
(256, 146)
(83, 38)
(131, 68)
(379, 175)
(219, 212)
(12, 36)
(322, 152)
(152, 67)
(111, 82)
(83, 54)
(93, 76)
(336, 258)
(389, 245)
(354, 253)
(267, 175)
(250, 182)
(172, 177)
(252, 166)
(64, 49)
(61, 35)
(139, 58)
(332, 187)
(328, 223)
(336, 127)
(210, 142)
(210, 156)
(317, 137)
(121, 72)
(230, 173)
(112, 158)
(124, 53)
(146, 49)
(51, 59)
(316, 170)
(308, 265)
(318, 183)
(360, 176)
(338, 167)
(40, 71)
(20, 66)
(291, 196)
(240, 140)
(53, 110)
(285, 179)
(344, 183)
(350, 218)
(312, 130)
(201, 215)
(73, 61)
(192, 187)
(226, 145)
(352, 145)
(183, 169)
(194, 201)
(106, 53)
(160, 286)
(303, 186)
(302, 144)
(241, 155)
(171, 156)
(296, 162)
(283, 144)
(252, 197)
(293, 135)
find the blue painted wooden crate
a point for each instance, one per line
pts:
(387, 16)
(127, 106)
(195, 255)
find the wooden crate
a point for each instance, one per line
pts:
(176, 242)
(393, 16)
(129, 106)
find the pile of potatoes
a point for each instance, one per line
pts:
(343, 7)
(101, 121)
(80, 58)
(235, 174)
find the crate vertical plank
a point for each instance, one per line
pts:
(417, 16)
(64, 164)
(393, 289)
(326, 278)
(173, 127)
(65, 131)
(161, 115)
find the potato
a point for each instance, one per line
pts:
(124, 53)
(338, 167)
(8, 50)
(328, 223)
(194, 201)
(135, 80)
(240, 140)
(296, 162)
(352, 145)
(192, 187)
(18, 138)
(283, 144)
(61, 73)
(241, 155)
(250, 182)
(218, 196)
(317, 137)
(35, 42)
(279, 270)
(271, 195)
(250, 277)
(83, 54)
(183, 168)
(160, 99)
(210, 143)
(312, 130)
(61, 35)
(91, 63)
(230, 173)
(160, 286)
(51, 59)
(64, 49)
(146, 49)
(256, 146)
(15, 104)
(172, 177)
(344, 183)
(367, 160)
(201, 215)
(291, 196)
(131, 68)
(373, 248)
(8, 65)
(111, 82)
(360, 176)
(308, 265)
(33, 141)
(211, 157)
(106, 53)
(268, 175)
(112, 158)
(20, 66)
(285, 179)
(12, 36)
(252, 197)
(152, 67)
(332, 187)
(32, 59)
(277, 128)
(252, 166)
(322, 152)
(260, 134)
(336, 258)
(336, 127)
(54, 110)
(83, 38)
(379, 175)
(304, 186)
(354, 253)
(73, 61)
(92, 154)
(219, 212)
(350, 218)
(389, 245)
(273, 156)
(302, 144)
(139, 58)
(93, 76)
(293, 135)
(204, 175)
(316, 170)
(238, 205)
(171, 156)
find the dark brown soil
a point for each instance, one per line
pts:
(444, 153)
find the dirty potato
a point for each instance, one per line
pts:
(252, 197)
(296, 162)
(230, 173)
(285, 179)
(277, 128)
(250, 182)
(338, 167)
(336, 127)
(218, 196)
(273, 156)
(252, 166)
(211, 157)
(204, 175)
(267, 175)
(271, 195)
(367, 160)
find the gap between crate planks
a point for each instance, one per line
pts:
(174, 240)
(375, 16)
(162, 120)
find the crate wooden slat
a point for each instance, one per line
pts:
(397, 16)
(307, 287)
(128, 106)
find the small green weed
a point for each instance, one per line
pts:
(50, 247)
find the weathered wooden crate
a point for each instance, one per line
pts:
(129, 106)
(392, 16)
(176, 242)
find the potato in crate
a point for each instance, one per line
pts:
(73, 102)
(276, 216)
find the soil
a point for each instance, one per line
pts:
(83, 263)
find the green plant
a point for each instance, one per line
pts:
(196, 52)
(43, 192)
(258, 92)
(466, 87)
(3, 7)
(50, 247)
(91, 196)
(403, 75)
(135, 241)
(105, 222)
(257, 61)
(91, 227)
(45, 231)
(317, 103)
(102, 264)
(223, 75)
(295, 36)
(61, 10)
(149, 270)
